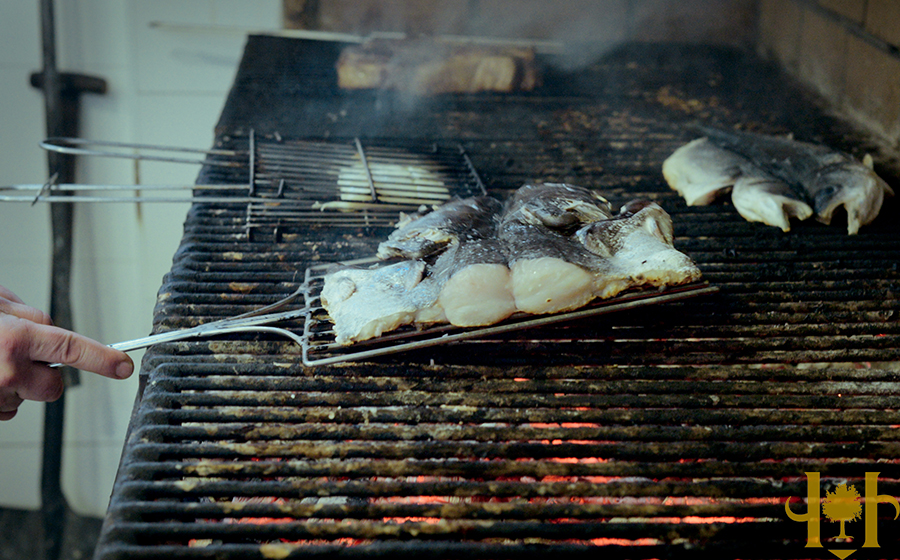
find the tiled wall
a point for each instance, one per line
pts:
(846, 50)
(167, 84)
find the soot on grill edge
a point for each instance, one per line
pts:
(667, 432)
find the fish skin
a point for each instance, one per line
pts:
(822, 177)
(431, 233)
(553, 270)
(636, 249)
(549, 271)
(558, 206)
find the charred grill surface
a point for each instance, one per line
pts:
(662, 432)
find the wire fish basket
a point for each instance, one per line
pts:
(320, 348)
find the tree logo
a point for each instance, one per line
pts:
(842, 505)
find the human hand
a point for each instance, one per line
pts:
(29, 343)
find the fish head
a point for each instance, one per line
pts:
(855, 187)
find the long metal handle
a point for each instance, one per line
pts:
(223, 326)
(244, 323)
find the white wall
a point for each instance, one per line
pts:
(167, 85)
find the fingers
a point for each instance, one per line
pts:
(12, 305)
(43, 384)
(54, 345)
(5, 293)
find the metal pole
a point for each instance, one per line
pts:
(61, 95)
(53, 502)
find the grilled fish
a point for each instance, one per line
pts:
(553, 248)
(635, 249)
(364, 303)
(549, 272)
(775, 179)
(701, 172)
(474, 283)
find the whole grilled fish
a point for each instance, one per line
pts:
(774, 179)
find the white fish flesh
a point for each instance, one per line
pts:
(549, 271)
(474, 282)
(365, 303)
(701, 172)
(776, 179)
(636, 250)
(768, 200)
(552, 271)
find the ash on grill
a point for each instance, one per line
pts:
(662, 432)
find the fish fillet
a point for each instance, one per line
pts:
(765, 199)
(553, 272)
(365, 303)
(635, 250)
(549, 272)
(475, 283)
(780, 173)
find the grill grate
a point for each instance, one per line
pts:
(665, 431)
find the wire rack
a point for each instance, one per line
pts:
(285, 183)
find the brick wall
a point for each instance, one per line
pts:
(846, 50)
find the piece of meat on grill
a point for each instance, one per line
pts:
(549, 272)
(762, 198)
(475, 283)
(364, 303)
(701, 172)
(427, 66)
(554, 248)
(779, 178)
(553, 270)
(636, 250)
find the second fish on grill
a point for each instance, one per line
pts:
(774, 180)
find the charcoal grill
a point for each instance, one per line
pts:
(666, 431)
